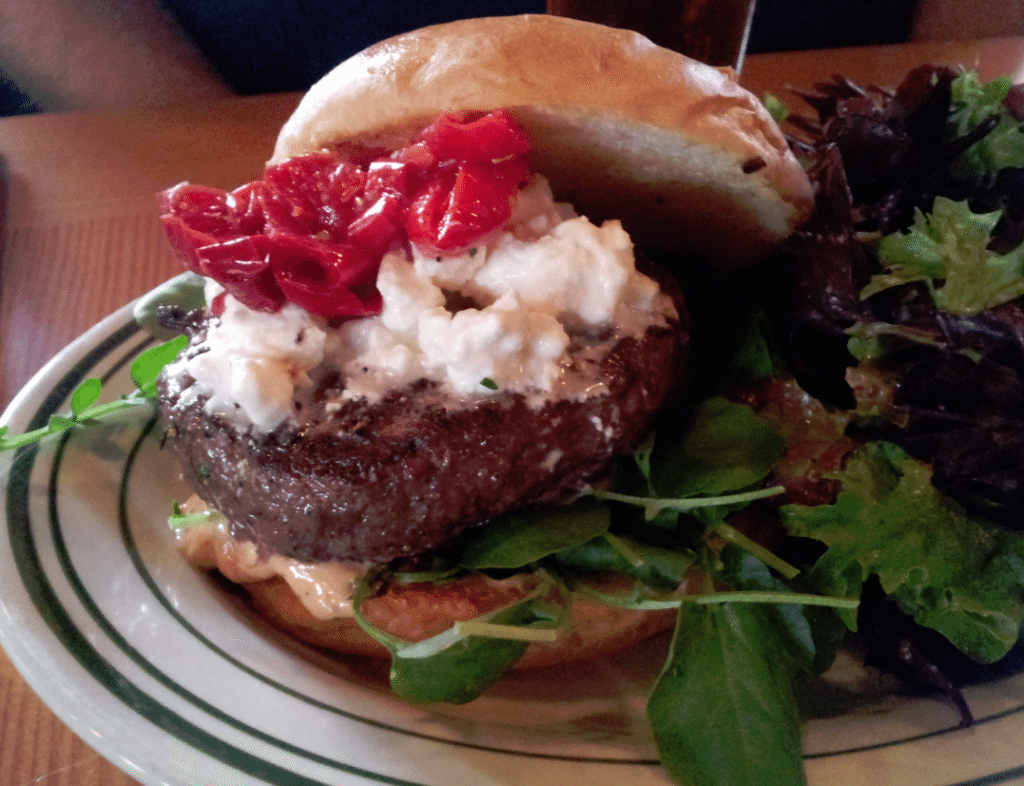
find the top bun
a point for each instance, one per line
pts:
(676, 149)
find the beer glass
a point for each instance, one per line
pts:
(712, 31)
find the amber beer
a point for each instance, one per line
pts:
(712, 31)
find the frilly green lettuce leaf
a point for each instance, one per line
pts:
(946, 249)
(952, 572)
(972, 103)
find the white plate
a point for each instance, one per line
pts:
(165, 673)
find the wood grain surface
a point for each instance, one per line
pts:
(80, 238)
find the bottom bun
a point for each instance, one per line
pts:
(414, 612)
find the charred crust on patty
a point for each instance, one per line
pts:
(411, 473)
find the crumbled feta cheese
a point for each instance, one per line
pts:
(252, 361)
(406, 294)
(576, 272)
(496, 318)
(513, 347)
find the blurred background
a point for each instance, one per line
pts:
(58, 55)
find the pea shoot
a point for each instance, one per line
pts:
(85, 409)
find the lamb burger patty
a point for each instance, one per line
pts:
(406, 475)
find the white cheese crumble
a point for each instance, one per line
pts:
(251, 362)
(497, 318)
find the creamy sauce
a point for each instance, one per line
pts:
(498, 318)
(324, 588)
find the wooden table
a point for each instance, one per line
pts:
(80, 238)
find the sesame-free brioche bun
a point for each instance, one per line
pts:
(415, 611)
(594, 630)
(676, 149)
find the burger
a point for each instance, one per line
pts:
(535, 339)
(569, 352)
(438, 318)
(436, 335)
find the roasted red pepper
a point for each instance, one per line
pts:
(314, 229)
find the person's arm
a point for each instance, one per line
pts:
(91, 54)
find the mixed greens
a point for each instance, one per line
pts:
(740, 640)
(848, 460)
(897, 309)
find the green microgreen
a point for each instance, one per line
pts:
(652, 506)
(457, 664)
(85, 411)
(476, 627)
(179, 519)
(638, 600)
(625, 550)
(723, 710)
(733, 535)
(796, 598)
(776, 107)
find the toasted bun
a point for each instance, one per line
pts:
(595, 630)
(676, 149)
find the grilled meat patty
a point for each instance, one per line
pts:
(355, 480)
